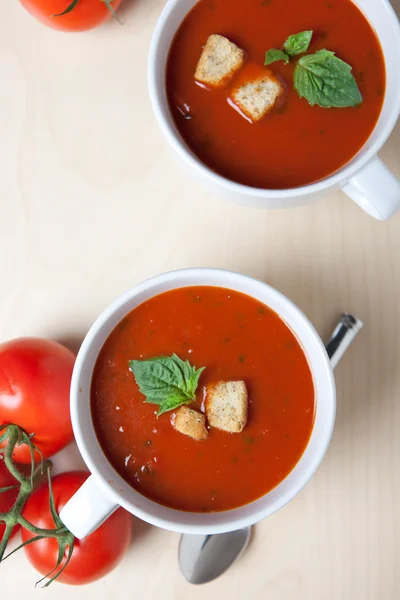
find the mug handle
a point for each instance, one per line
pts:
(375, 189)
(88, 508)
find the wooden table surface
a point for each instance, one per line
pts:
(92, 201)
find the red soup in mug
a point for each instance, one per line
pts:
(298, 140)
(236, 339)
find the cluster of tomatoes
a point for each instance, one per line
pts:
(35, 378)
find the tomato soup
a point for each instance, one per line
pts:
(295, 144)
(234, 337)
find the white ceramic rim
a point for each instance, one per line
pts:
(156, 91)
(118, 490)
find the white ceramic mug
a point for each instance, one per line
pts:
(365, 178)
(106, 490)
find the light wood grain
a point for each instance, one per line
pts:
(92, 201)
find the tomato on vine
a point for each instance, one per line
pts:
(72, 15)
(91, 558)
(49, 545)
(35, 379)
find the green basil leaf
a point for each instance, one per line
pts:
(326, 80)
(157, 378)
(194, 381)
(298, 43)
(191, 374)
(171, 404)
(172, 364)
(274, 55)
(166, 380)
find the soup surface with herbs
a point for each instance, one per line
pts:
(235, 338)
(298, 140)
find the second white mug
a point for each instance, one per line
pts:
(365, 179)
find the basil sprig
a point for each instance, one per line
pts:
(298, 43)
(295, 44)
(321, 78)
(274, 55)
(166, 381)
(326, 80)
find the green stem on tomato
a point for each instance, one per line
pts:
(60, 532)
(112, 10)
(5, 539)
(70, 7)
(73, 4)
(8, 489)
(13, 435)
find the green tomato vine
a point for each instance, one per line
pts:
(10, 437)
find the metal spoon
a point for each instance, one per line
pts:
(203, 558)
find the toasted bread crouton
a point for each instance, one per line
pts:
(226, 405)
(191, 423)
(219, 61)
(256, 98)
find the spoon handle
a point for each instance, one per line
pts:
(345, 332)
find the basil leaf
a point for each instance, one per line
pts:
(157, 378)
(171, 404)
(326, 80)
(298, 43)
(274, 55)
(191, 374)
(294, 45)
(166, 380)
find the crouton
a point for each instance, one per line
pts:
(219, 61)
(226, 405)
(190, 422)
(257, 97)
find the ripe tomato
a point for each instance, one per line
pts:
(35, 377)
(7, 499)
(85, 15)
(94, 556)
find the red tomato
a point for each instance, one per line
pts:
(35, 378)
(7, 499)
(85, 15)
(94, 556)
